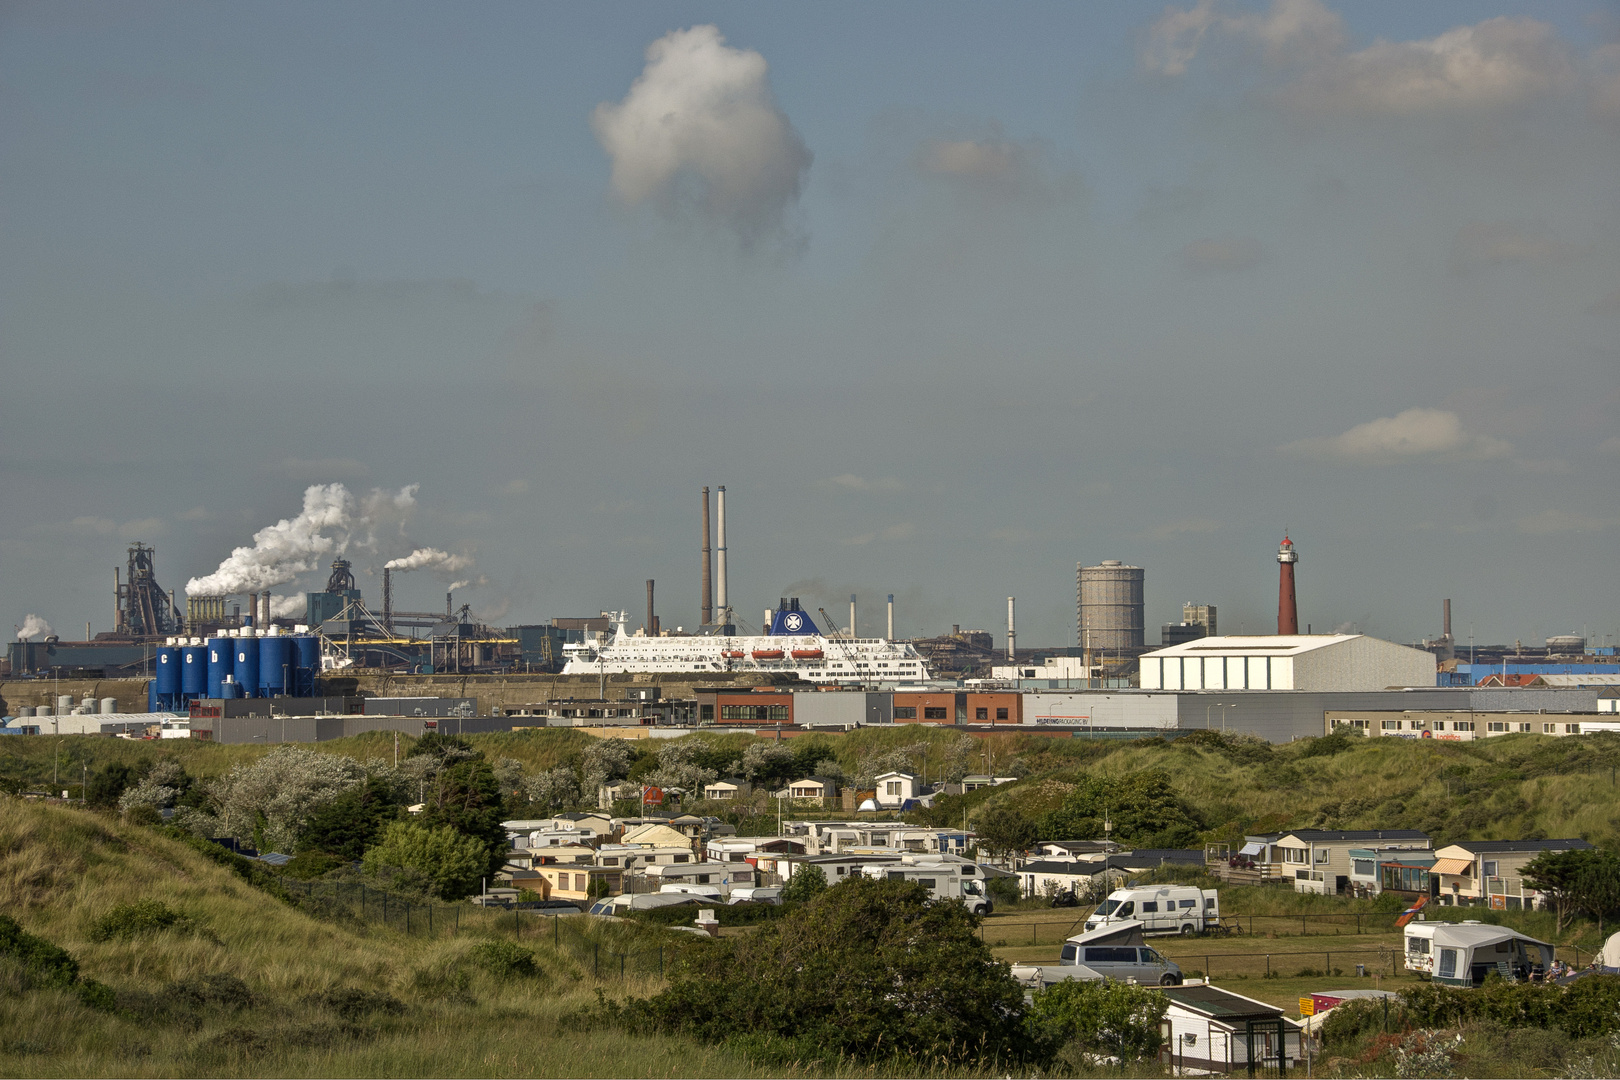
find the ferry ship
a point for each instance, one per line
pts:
(794, 645)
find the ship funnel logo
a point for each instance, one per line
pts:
(794, 621)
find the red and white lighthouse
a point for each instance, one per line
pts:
(1287, 609)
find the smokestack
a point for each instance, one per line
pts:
(722, 601)
(388, 600)
(852, 616)
(1447, 626)
(253, 609)
(652, 622)
(264, 598)
(1287, 609)
(449, 612)
(706, 603)
(891, 616)
(1012, 630)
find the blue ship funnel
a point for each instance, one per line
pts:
(792, 620)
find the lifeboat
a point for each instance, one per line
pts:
(733, 654)
(807, 654)
(767, 654)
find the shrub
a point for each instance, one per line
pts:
(352, 1003)
(45, 964)
(309, 865)
(1101, 1018)
(217, 990)
(446, 861)
(142, 917)
(807, 882)
(503, 959)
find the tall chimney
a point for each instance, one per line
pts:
(253, 609)
(1447, 626)
(722, 600)
(852, 616)
(891, 616)
(706, 604)
(388, 600)
(1012, 630)
(264, 619)
(449, 612)
(652, 624)
(1287, 609)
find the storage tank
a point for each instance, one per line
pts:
(246, 667)
(194, 671)
(64, 704)
(307, 663)
(25, 712)
(168, 674)
(43, 710)
(229, 690)
(1110, 606)
(88, 703)
(1566, 644)
(275, 664)
(220, 664)
(109, 705)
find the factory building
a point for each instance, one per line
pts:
(1316, 662)
(1109, 606)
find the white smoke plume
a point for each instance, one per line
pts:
(454, 585)
(33, 626)
(424, 558)
(700, 131)
(330, 521)
(289, 606)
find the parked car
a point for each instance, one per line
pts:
(1116, 951)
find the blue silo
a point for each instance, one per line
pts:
(307, 663)
(193, 672)
(168, 676)
(229, 690)
(247, 666)
(275, 665)
(220, 664)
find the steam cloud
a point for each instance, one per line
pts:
(454, 585)
(424, 558)
(700, 129)
(331, 520)
(33, 626)
(287, 607)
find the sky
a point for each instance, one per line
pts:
(949, 297)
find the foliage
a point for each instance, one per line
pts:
(1004, 831)
(869, 970)
(352, 822)
(503, 959)
(603, 762)
(310, 865)
(1143, 807)
(445, 748)
(135, 919)
(440, 860)
(49, 965)
(684, 763)
(1584, 879)
(249, 870)
(808, 882)
(160, 788)
(1590, 1006)
(271, 801)
(554, 790)
(1101, 1017)
(748, 913)
(107, 784)
(767, 763)
(1004, 890)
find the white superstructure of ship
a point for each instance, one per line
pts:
(794, 645)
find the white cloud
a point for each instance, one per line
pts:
(1222, 254)
(851, 482)
(1498, 62)
(1414, 435)
(1485, 244)
(700, 131)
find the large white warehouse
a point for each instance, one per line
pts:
(1321, 662)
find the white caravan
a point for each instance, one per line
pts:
(943, 880)
(1161, 909)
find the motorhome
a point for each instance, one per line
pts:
(1161, 909)
(1114, 951)
(952, 880)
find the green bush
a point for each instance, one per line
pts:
(142, 917)
(807, 882)
(748, 913)
(1100, 1017)
(309, 865)
(447, 862)
(48, 965)
(1004, 890)
(352, 1003)
(504, 959)
(1588, 1007)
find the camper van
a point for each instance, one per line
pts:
(1115, 951)
(944, 880)
(1161, 909)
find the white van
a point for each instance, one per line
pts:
(1161, 909)
(943, 880)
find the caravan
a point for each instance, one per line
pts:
(1161, 909)
(953, 880)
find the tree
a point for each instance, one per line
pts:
(1143, 808)
(603, 762)
(684, 764)
(270, 801)
(554, 790)
(442, 861)
(1004, 831)
(1101, 1018)
(1557, 875)
(467, 798)
(159, 789)
(872, 970)
(808, 882)
(352, 822)
(767, 763)
(107, 784)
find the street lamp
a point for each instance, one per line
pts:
(1223, 716)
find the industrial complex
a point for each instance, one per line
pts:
(331, 663)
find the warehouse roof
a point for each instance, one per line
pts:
(1254, 645)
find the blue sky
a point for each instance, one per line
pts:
(949, 297)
